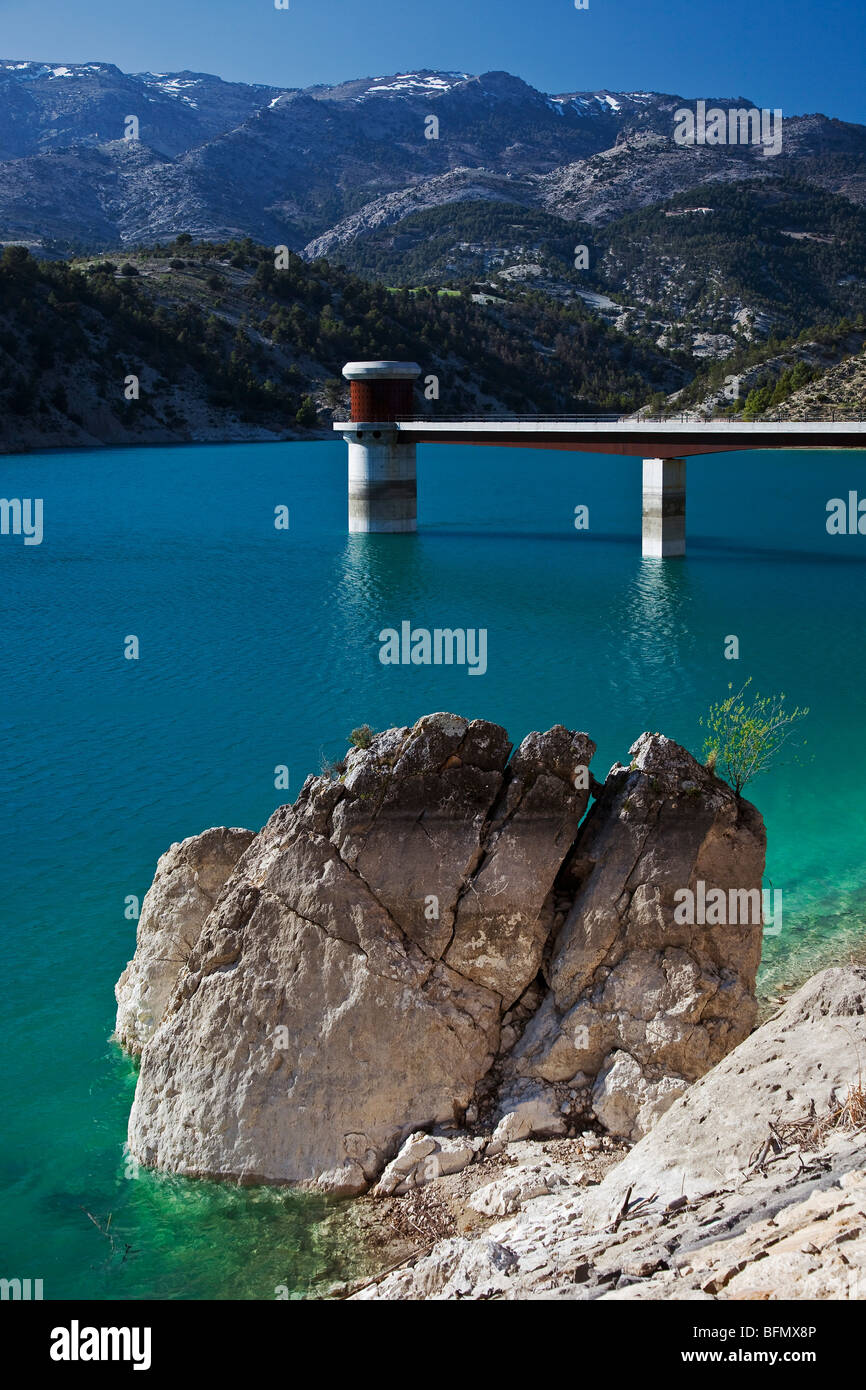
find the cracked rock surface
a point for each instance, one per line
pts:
(439, 930)
(640, 1005)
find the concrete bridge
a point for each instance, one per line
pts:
(384, 431)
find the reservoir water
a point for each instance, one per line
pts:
(259, 649)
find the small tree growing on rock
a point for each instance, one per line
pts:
(746, 734)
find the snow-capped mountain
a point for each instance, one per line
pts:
(293, 166)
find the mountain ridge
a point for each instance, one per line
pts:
(689, 253)
(288, 165)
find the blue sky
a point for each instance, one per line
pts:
(803, 55)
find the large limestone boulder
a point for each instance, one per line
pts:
(439, 916)
(640, 1001)
(347, 988)
(189, 878)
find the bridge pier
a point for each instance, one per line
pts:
(664, 508)
(383, 490)
(384, 429)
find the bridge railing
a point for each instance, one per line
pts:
(685, 418)
(494, 418)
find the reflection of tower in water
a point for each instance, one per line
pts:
(658, 641)
(380, 582)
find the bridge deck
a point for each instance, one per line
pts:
(664, 438)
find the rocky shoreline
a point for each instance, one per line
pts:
(752, 1186)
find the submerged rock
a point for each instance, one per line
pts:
(435, 919)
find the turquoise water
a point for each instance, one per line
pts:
(259, 648)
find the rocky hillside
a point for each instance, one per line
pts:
(707, 271)
(607, 262)
(218, 160)
(838, 392)
(434, 938)
(817, 374)
(223, 346)
(48, 107)
(737, 262)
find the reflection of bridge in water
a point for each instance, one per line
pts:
(384, 431)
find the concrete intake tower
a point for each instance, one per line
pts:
(383, 493)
